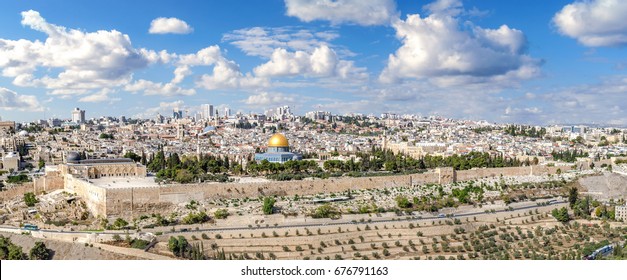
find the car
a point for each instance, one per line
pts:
(441, 216)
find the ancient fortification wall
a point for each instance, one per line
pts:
(38, 186)
(95, 197)
(17, 191)
(129, 202)
(52, 181)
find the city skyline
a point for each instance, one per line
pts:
(561, 62)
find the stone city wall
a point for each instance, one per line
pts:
(94, 197)
(130, 202)
(38, 186)
(127, 202)
(52, 181)
(16, 191)
(466, 175)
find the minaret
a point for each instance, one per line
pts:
(384, 145)
(198, 147)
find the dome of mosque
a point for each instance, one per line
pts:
(278, 140)
(73, 157)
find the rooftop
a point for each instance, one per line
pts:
(124, 182)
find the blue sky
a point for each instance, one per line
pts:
(538, 62)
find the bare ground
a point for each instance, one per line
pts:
(66, 250)
(606, 186)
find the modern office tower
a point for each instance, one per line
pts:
(206, 111)
(78, 115)
(177, 114)
(159, 118)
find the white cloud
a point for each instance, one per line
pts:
(600, 103)
(596, 23)
(153, 88)
(206, 56)
(437, 47)
(347, 107)
(171, 25)
(445, 7)
(10, 100)
(226, 74)
(361, 12)
(100, 97)
(269, 98)
(322, 62)
(164, 108)
(84, 61)
(262, 41)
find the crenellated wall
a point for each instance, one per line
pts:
(130, 202)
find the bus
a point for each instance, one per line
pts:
(30, 227)
(603, 251)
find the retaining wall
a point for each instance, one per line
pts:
(128, 202)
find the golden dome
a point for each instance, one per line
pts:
(278, 140)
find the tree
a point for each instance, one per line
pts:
(41, 164)
(40, 252)
(179, 246)
(183, 176)
(268, 205)
(15, 252)
(135, 157)
(572, 196)
(30, 199)
(561, 214)
(403, 202)
(120, 223)
(183, 245)
(143, 158)
(221, 214)
(193, 218)
(4, 247)
(158, 162)
(326, 211)
(173, 245)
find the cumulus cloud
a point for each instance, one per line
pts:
(99, 97)
(596, 23)
(262, 41)
(269, 98)
(10, 100)
(601, 103)
(226, 74)
(361, 12)
(171, 25)
(322, 62)
(153, 88)
(164, 108)
(84, 61)
(437, 47)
